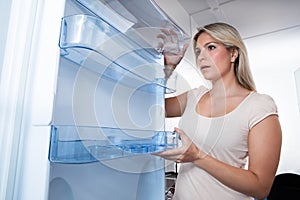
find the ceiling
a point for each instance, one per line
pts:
(251, 17)
(263, 24)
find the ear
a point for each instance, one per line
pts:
(234, 54)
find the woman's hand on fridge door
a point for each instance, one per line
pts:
(171, 50)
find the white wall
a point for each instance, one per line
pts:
(274, 59)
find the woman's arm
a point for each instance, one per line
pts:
(264, 152)
(173, 55)
(175, 105)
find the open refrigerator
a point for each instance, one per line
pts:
(103, 115)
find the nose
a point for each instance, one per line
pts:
(201, 56)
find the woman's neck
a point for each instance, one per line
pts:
(223, 88)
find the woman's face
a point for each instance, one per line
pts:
(213, 59)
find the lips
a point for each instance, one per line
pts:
(204, 67)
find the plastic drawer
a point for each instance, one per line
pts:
(71, 144)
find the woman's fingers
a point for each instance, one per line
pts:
(186, 153)
(170, 40)
(185, 46)
(173, 154)
(177, 151)
(166, 36)
(184, 138)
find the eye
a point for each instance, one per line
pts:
(211, 47)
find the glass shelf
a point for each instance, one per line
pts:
(140, 20)
(74, 144)
(92, 43)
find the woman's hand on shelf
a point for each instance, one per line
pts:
(188, 152)
(171, 49)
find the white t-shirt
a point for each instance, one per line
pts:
(224, 138)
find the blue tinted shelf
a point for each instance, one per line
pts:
(73, 144)
(94, 44)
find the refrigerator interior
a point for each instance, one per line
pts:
(108, 112)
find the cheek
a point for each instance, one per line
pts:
(221, 59)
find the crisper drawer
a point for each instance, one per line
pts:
(71, 144)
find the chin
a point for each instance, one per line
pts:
(210, 77)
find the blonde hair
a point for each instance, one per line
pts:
(231, 38)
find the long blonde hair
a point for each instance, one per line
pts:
(231, 38)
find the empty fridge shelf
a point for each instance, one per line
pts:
(140, 20)
(73, 144)
(92, 43)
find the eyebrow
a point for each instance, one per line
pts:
(208, 43)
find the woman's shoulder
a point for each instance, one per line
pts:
(262, 99)
(198, 91)
(260, 106)
(193, 95)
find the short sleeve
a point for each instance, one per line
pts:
(262, 106)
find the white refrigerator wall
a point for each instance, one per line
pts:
(27, 90)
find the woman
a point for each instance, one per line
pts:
(231, 135)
